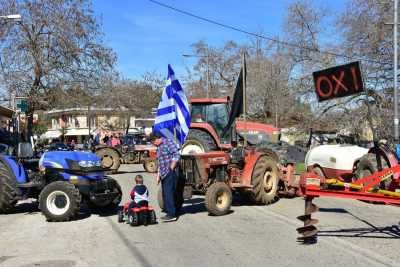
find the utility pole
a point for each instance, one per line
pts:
(277, 76)
(208, 72)
(396, 103)
(244, 96)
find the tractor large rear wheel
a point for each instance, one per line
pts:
(265, 180)
(150, 165)
(198, 142)
(218, 199)
(110, 159)
(60, 201)
(368, 165)
(8, 189)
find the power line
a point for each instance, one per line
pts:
(262, 36)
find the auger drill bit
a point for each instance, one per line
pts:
(308, 231)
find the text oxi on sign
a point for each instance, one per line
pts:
(338, 81)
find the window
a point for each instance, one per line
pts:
(217, 116)
(198, 113)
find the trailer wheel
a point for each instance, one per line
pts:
(198, 142)
(265, 180)
(59, 201)
(150, 165)
(110, 159)
(8, 189)
(218, 199)
(368, 165)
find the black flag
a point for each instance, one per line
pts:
(237, 104)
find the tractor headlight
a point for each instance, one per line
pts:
(89, 163)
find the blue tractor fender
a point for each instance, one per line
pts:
(16, 169)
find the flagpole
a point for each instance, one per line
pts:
(244, 97)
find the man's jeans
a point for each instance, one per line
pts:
(168, 189)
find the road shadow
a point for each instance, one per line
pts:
(192, 206)
(244, 200)
(32, 208)
(26, 208)
(333, 210)
(125, 172)
(100, 212)
(371, 231)
(196, 205)
(386, 232)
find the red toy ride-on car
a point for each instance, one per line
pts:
(138, 215)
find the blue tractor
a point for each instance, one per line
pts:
(60, 180)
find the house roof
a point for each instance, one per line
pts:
(7, 112)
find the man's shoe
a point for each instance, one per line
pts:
(168, 218)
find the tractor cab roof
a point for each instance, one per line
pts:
(209, 100)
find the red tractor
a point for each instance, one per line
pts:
(134, 150)
(209, 116)
(218, 165)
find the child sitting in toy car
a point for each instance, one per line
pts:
(139, 194)
(138, 211)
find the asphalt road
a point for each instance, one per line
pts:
(353, 233)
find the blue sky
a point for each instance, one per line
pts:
(147, 37)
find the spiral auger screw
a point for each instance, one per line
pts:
(308, 232)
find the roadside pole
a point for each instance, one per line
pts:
(244, 97)
(208, 73)
(396, 103)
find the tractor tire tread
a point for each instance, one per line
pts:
(211, 195)
(8, 190)
(204, 138)
(260, 196)
(101, 152)
(75, 198)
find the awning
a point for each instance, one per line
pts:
(77, 132)
(51, 134)
(133, 130)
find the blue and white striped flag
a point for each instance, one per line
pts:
(173, 115)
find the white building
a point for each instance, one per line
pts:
(73, 123)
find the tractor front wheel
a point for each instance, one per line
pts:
(150, 165)
(59, 201)
(8, 189)
(218, 199)
(265, 180)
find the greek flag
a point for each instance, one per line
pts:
(173, 116)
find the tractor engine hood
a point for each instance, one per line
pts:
(76, 162)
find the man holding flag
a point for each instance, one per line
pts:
(172, 123)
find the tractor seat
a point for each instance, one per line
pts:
(26, 156)
(24, 151)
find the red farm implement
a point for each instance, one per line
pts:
(367, 189)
